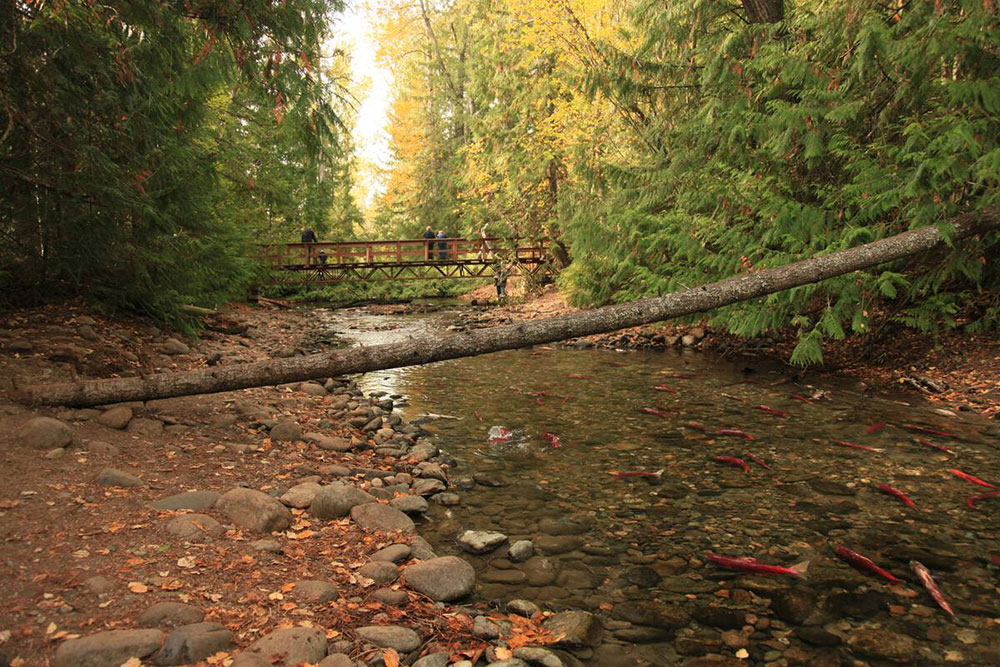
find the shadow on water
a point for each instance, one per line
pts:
(602, 539)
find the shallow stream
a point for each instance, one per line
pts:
(603, 539)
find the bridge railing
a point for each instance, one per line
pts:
(380, 253)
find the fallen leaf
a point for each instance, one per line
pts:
(186, 562)
(138, 587)
(390, 657)
(503, 653)
(275, 596)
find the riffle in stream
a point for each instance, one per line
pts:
(633, 548)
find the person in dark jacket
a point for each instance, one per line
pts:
(500, 274)
(428, 243)
(308, 237)
(442, 245)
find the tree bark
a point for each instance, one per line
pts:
(764, 11)
(437, 347)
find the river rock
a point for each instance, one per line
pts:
(174, 346)
(337, 660)
(389, 596)
(301, 496)
(333, 443)
(857, 605)
(336, 500)
(510, 662)
(793, 605)
(113, 477)
(687, 645)
(541, 571)
(651, 613)
(169, 615)
(194, 643)
(553, 526)
(525, 608)
(190, 526)
(442, 579)
(254, 510)
(882, 644)
(376, 517)
(409, 504)
(197, 501)
(314, 591)
(484, 628)
(396, 637)
(717, 616)
(44, 433)
(643, 635)
(117, 417)
(642, 576)
(575, 628)
(480, 541)
(380, 571)
(146, 428)
(830, 487)
(421, 549)
(99, 584)
(110, 648)
(543, 657)
(291, 646)
(818, 637)
(428, 487)
(393, 553)
(521, 551)
(434, 660)
(287, 430)
(557, 544)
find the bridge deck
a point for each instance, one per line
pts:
(416, 259)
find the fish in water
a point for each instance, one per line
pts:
(732, 461)
(698, 427)
(972, 500)
(654, 411)
(746, 564)
(970, 478)
(934, 445)
(854, 445)
(638, 473)
(874, 428)
(924, 575)
(478, 416)
(756, 459)
(864, 563)
(678, 376)
(499, 434)
(800, 397)
(577, 376)
(734, 432)
(551, 438)
(929, 431)
(885, 488)
(663, 387)
(773, 411)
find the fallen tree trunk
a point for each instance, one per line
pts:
(437, 347)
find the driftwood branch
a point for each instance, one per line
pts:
(437, 347)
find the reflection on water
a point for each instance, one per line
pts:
(609, 538)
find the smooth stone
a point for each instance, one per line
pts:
(794, 605)
(254, 510)
(882, 644)
(99, 584)
(510, 662)
(428, 487)
(484, 628)
(393, 553)
(337, 660)
(291, 646)
(442, 579)
(540, 571)
(45, 433)
(480, 541)
(381, 572)
(336, 500)
(117, 417)
(651, 613)
(109, 648)
(395, 637)
(287, 430)
(717, 616)
(315, 590)
(509, 577)
(857, 605)
(197, 501)
(524, 608)
(643, 635)
(686, 585)
(270, 546)
(169, 615)
(642, 576)
(553, 526)
(376, 517)
(174, 346)
(830, 487)
(576, 628)
(194, 643)
(410, 504)
(521, 551)
(434, 660)
(818, 637)
(389, 596)
(146, 428)
(542, 657)
(102, 448)
(300, 496)
(188, 526)
(112, 477)
(557, 544)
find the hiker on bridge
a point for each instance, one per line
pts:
(308, 237)
(429, 243)
(442, 245)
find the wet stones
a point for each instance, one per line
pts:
(882, 644)
(830, 488)
(818, 637)
(540, 571)
(794, 605)
(376, 517)
(113, 647)
(441, 579)
(337, 500)
(44, 433)
(197, 501)
(857, 605)
(557, 544)
(395, 637)
(643, 576)
(576, 628)
(254, 510)
(290, 646)
(653, 614)
(521, 551)
(428, 487)
(480, 541)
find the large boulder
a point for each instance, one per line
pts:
(301, 495)
(105, 649)
(287, 431)
(575, 628)
(44, 433)
(336, 500)
(197, 501)
(441, 579)
(254, 510)
(194, 643)
(396, 637)
(480, 541)
(195, 527)
(169, 614)
(372, 517)
(117, 417)
(291, 646)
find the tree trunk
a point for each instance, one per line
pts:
(764, 11)
(437, 347)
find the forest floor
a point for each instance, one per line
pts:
(956, 370)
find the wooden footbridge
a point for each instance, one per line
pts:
(420, 259)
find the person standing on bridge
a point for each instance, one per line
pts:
(500, 275)
(442, 245)
(429, 243)
(308, 237)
